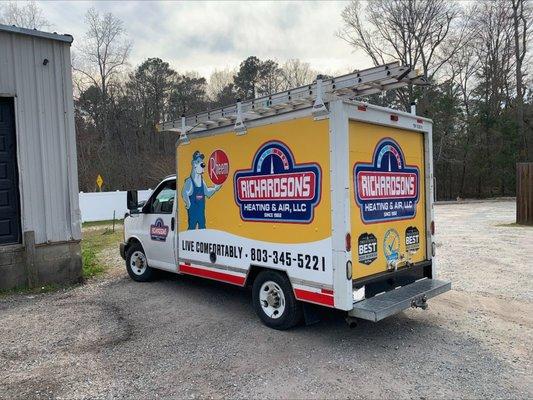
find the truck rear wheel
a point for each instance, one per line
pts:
(137, 265)
(274, 301)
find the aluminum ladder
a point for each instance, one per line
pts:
(360, 83)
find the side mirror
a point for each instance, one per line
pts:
(132, 201)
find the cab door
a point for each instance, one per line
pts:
(159, 227)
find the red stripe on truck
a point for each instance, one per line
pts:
(215, 275)
(314, 297)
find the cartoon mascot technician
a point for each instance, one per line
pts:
(194, 192)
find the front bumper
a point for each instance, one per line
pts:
(122, 248)
(386, 304)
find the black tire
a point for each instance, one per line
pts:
(292, 313)
(143, 273)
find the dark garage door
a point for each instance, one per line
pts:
(9, 192)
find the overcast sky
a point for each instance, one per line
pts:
(204, 36)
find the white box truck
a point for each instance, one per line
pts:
(306, 196)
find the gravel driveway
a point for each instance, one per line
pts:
(183, 337)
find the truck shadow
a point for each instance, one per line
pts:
(232, 299)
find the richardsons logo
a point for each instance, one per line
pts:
(386, 189)
(276, 188)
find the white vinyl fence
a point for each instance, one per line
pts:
(99, 206)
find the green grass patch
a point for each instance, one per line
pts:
(109, 222)
(98, 239)
(91, 266)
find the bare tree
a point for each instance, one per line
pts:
(522, 17)
(358, 36)
(494, 91)
(415, 32)
(297, 73)
(494, 48)
(24, 15)
(218, 81)
(102, 56)
(410, 31)
(463, 69)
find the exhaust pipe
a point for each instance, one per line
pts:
(420, 302)
(351, 321)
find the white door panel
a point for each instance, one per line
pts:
(157, 229)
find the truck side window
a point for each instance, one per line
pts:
(163, 201)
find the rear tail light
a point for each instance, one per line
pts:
(348, 242)
(432, 227)
(394, 118)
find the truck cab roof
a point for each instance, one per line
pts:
(169, 177)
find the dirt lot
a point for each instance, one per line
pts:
(184, 338)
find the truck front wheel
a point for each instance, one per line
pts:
(274, 301)
(136, 264)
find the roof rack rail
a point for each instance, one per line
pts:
(317, 94)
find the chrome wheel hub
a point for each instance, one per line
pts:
(272, 299)
(138, 263)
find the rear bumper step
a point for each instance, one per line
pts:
(413, 295)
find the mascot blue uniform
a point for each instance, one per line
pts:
(194, 192)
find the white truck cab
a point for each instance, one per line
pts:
(152, 227)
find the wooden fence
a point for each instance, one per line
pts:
(524, 193)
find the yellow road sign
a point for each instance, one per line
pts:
(99, 181)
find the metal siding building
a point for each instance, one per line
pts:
(36, 95)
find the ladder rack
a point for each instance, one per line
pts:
(316, 95)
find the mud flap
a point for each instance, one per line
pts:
(311, 315)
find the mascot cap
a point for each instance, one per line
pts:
(197, 155)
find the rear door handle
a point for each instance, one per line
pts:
(172, 222)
